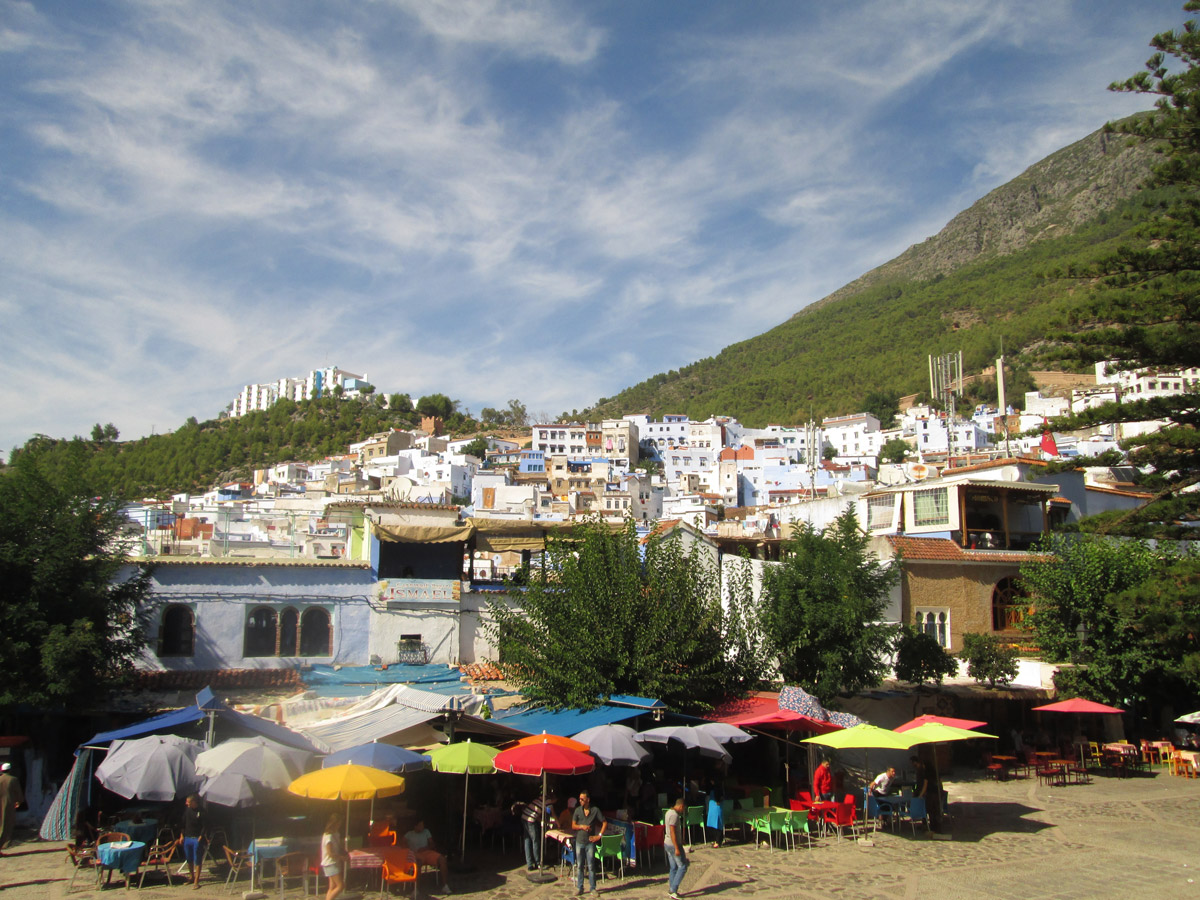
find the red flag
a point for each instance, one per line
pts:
(1048, 445)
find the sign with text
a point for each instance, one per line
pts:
(442, 590)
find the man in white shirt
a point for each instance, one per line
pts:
(673, 842)
(884, 783)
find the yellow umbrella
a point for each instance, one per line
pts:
(347, 782)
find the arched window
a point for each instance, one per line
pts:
(261, 632)
(289, 632)
(1008, 604)
(176, 636)
(935, 623)
(316, 633)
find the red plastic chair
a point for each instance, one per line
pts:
(651, 836)
(841, 817)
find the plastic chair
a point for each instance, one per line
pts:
(760, 826)
(874, 811)
(648, 837)
(799, 823)
(291, 865)
(694, 816)
(238, 860)
(776, 794)
(917, 813)
(806, 796)
(841, 817)
(777, 822)
(611, 846)
(81, 858)
(157, 857)
(745, 803)
(401, 868)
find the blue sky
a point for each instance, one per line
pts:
(543, 201)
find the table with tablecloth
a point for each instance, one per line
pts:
(145, 830)
(261, 850)
(124, 856)
(627, 830)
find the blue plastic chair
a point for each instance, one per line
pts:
(917, 813)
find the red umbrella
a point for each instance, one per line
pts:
(1077, 705)
(941, 720)
(542, 759)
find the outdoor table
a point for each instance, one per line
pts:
(1165, 749)
(366, 859)
(123, 855)
(565, 841)
(1193, 757)
(264, 849)
(146, 830)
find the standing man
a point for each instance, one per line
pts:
(823, 782)
(588, 823)
(11, 796)
(535, 818)
(192, 838)
(677, 861)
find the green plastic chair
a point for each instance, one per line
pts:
(695, 816)
(611, 846)
(776, 796)
(799, 823)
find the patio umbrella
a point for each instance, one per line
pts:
(936, 733)
(347, 782)
(543, 759)
(1190, 719)
(613, 745)
(689, 738)
(556, 739)
(862, 737)
(942, 720)
(238, 771)
(1078, 705)
(725, 733)
(467, 759)
(160, 767)
(378, 756)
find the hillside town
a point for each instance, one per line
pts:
(390, 551)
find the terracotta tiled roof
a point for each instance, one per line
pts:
(226, 679)
(926, 548)
(945, 550)
(1103, 489)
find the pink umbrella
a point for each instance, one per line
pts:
(941, 720)
(1078, 705)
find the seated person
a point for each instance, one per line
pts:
(884, 783)
(564, 817)
(420, 842)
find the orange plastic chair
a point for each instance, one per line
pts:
(401, 868)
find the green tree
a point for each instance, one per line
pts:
(1145, 310)
(438, 405)
(822, 610)
(477, 448)
(604, 619)
(989, 660)
(920, 658)
(70, 604)
(895, 450)
(883, 405)
(1104, 606)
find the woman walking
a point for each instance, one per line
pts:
(334, 856)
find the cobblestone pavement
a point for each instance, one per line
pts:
(1137, 837)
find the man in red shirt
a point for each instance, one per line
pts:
(823, 782)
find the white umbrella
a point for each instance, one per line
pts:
(613, 745)
(725, 733)
(159, 767)
(1190, 719)
(691, 738)
(239, 770)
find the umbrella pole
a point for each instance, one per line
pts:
(542, 823)
(466, 788)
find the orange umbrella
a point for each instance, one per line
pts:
(556, 739)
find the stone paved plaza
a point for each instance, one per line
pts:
(1128, 838)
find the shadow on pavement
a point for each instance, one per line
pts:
(17, 884)
(972, 822)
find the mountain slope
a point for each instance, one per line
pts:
(974, 285)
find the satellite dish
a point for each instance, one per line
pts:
(919, 471)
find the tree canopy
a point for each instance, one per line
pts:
(1144, 311)
(608, 615)
(1125, 615)
(822, 610)
(70, 608)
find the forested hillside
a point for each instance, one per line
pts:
(976, 286)
(201, 454)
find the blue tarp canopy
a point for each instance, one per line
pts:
(205, 703)
(564, 722)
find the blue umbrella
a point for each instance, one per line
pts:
(378, 756)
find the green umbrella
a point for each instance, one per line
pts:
(463, 758)
(863, 737)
